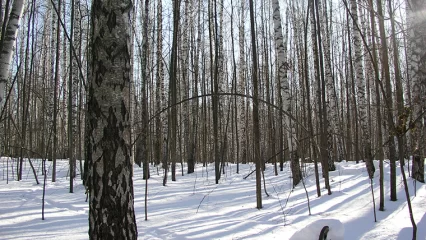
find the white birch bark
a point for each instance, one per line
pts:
(185, 30)
(332, 111)
(242, 87)
(111, 204)
(8, 45)
(417, 64)
(76, 73)
(360, 86)
(158, 86)
(281, 49)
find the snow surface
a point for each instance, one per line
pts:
(194, 207)
(311, 231)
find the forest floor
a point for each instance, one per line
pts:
(194, 207)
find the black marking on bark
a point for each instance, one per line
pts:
(112, 21)
(123, 110)
(100, 73)
(102, 32)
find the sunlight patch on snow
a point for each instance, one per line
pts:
(194, 207)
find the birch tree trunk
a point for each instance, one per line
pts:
(241, 87)
(196, 11)
(400, 128)
(417, 64)
(111, 206)
(380, 154)
(71, 97)
(173, 90)
(388, 102)
(284, 89)
(55, 55)
(7, 45)
(215, 85)
(75, 95)
(185, 81)
(158, 87)
(256, 127)
(6, 53)
(142, 144)
(331, 104)
(360, 86)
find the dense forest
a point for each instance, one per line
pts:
(236, 81)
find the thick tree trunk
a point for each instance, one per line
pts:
(7, 45)
(6, 52)
(417, 64)
(111, 209)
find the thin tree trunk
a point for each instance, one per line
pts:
(55, 92)
(256, 127)
(388, 102)
(213, 28)
(308, 97)
(380, 154)
(70, 106)
(173, 89)
(241, 87)
(325, 154)
(234, 87)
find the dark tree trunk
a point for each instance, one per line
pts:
(111, 207)
(388, 102)
(256, 127)
(173, 90)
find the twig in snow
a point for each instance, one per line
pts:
(205, 197)
(279, 200)
(307, 196)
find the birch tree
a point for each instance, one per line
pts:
(256, 127)
(360, 86)
(71, 97)
(331, 101)
(142, 141)
(318, 57)
(6, 52)
(159, 87)
(185, 80)
(388, 101)
(111, 206)
(7, 45)
(55, 57)
(417, 64)
(172, 121)
(380, 153)
(242, 86)
(283, 89)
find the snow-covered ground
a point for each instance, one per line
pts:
(194, 207)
